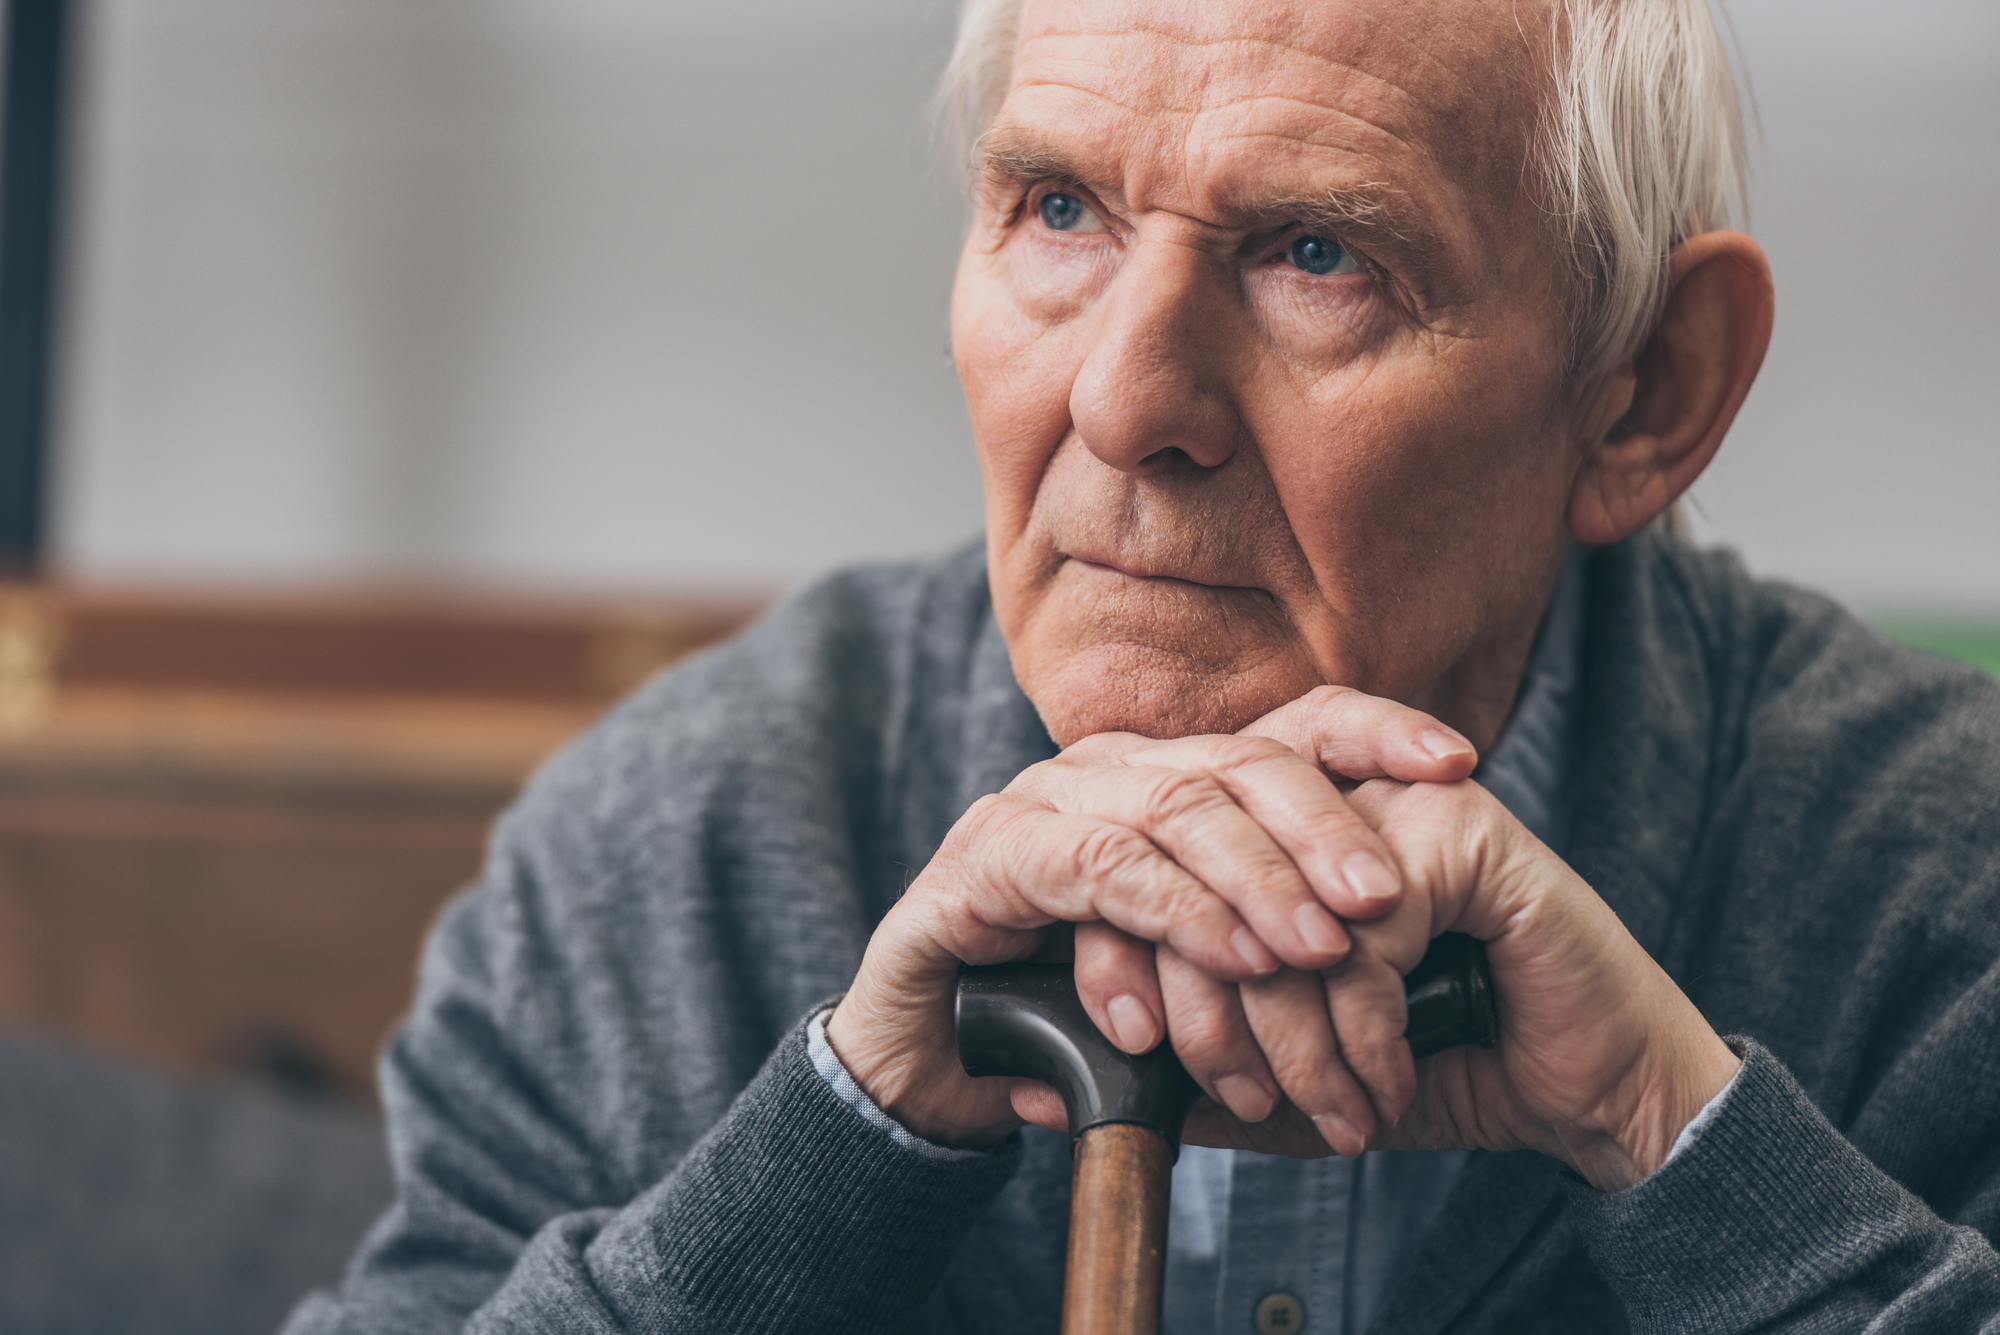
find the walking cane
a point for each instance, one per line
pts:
(1125, 1112)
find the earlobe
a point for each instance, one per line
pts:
(1685, 387)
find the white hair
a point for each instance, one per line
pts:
(1641, 146)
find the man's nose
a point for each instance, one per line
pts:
(1153, 380)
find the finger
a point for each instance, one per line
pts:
(1119, 987)
(1361, 736)
(1213, 1040)
(1369, 1012)
(1345, 863)
(1455, 841)
(1194, 817)
(1461, 856)
(1016, 866)
(1286, 1131)
(1036, 1102)
(1287, 1014)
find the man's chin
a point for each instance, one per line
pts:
(1153, 690)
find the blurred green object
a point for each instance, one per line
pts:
(1973, 643)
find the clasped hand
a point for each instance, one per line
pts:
(1255, 900)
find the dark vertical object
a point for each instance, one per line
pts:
(30, 184)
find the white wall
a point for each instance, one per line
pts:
(585, 293)
(648, 292)
(1867, 459)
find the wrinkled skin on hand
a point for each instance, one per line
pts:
(1298, 1044)
(1235, 851)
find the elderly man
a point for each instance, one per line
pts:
(1331, 365)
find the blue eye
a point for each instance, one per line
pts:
(1062, 212)
(1320, 255)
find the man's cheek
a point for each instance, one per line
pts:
(1017, 390)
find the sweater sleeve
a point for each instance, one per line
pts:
(793, 1214)
(1769, 1220)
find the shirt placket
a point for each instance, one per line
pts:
(1287, 1240)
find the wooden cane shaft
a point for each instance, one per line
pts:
(1117, 1232)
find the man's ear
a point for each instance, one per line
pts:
(1685, 387)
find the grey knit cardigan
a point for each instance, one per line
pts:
(603, 1118)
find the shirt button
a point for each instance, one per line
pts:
(1280, 1314)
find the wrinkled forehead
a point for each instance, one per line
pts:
(1193, 96)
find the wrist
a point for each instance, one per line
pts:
(899, 1079)
(1663, 1098)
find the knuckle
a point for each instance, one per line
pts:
(1375, 1055)
(1110, 854)
(1335, 823)
(1267, 882)
(1330, 696)
(1094, 749)
(1203, 1034)
(1188, 909)
(1000, 823)
(1238, 753)
(988, 810)
(1042, 774)
(1314, 1085)
(1430, 799)
(1176, 795)
(1376, 796)
(984, 822)
(1108, 957)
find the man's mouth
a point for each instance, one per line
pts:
(1161, 574)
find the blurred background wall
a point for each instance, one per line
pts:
(575, 292)
(1867, 459)
(594, 293)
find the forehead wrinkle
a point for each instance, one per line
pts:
(1315, 140)
(1303, 143)
(1142, 32)
(1451, 71)
(1349, 81)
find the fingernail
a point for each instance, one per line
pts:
(1250, 1101)
(1385, 1112)
(1318, 930)
(1444, 745)
(1252, 952)
(1132, 1024)
(1339, 1134)
(1370, 878)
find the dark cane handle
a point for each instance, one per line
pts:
(1450, 994)
(1125, 1112)
(1026, 1020)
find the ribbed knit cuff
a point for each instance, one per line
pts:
(796, 1215)
(1765, 1212)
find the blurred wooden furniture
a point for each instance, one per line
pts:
(225, 822)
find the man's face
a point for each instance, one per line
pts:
(1259, 327)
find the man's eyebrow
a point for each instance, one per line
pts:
(1370, 207)
(1008, 154)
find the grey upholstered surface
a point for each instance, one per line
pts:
(137, 1204)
